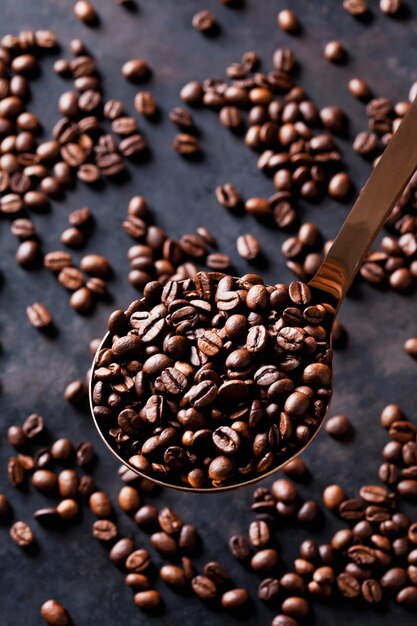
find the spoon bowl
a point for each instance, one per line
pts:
(289, 443)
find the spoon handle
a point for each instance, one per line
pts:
(374, 204)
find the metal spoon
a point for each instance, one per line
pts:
(342, 262)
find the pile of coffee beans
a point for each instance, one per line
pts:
(279, 120)
(51, 468)
(370, 560)
(214, 380)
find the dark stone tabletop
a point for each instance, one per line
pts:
(34, 370)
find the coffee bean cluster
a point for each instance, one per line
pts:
(87, 283)
(34, 171)
(279, 120)
(172, 539)
(214, 380)
(370, 560)
(156, 256)
(51, 468)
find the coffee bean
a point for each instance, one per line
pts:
(62, 449)
(248, 247)
(121, 550)
(22, 534)
(259, 533)
(204, 588)
(348, 586)
(136, 70)
(234, 598)
(339, 427)
(335, 52)
(407, 597)
(81, 300)
(85, 12)
(105, 530)
(100, 504)
(39, 316)
(145, 103)
(52, 611)
(185, 144)
(355, 7)
(129, 499)
(147, 600)
(164, 543)
(138, 582)
(33, 425)
(371, 591)
(333, 496)
(288, 21)
(265, 560)
(173, 575)
(295, 607)
(228, 196)
(204, 21)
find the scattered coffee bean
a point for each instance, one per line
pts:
(52, 611)
(22, 534)
(338, 427)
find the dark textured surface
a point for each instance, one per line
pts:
(71, 566)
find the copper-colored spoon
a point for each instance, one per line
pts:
(342, 262)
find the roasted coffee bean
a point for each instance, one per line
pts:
(138, 582)
(348, 586)
(339, 426)
(204, 588)
(39, 316)
(44, 480)
(239, 547)
(181, 118)
(16, 472)
(121, 550)
(105, 530)
(234, 598)
(173, 575)
(288, 21)
(129, 499)
(228, 196)
(164, 543)
(145, 104)
(62, 449)
(296, 607)
(186, 144)
(85, 12)
(371, 591)
(335, 52)
(333, 496)
(355, 7)
(100, 504)
(75, 392)
(147, 600)
(33, 425)
(22, 534)
(52, 611)
(138, 561)
(136, 70)
(28, 254)
(259, 533)
(248, 247)
(203, 21)
(265, 560)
